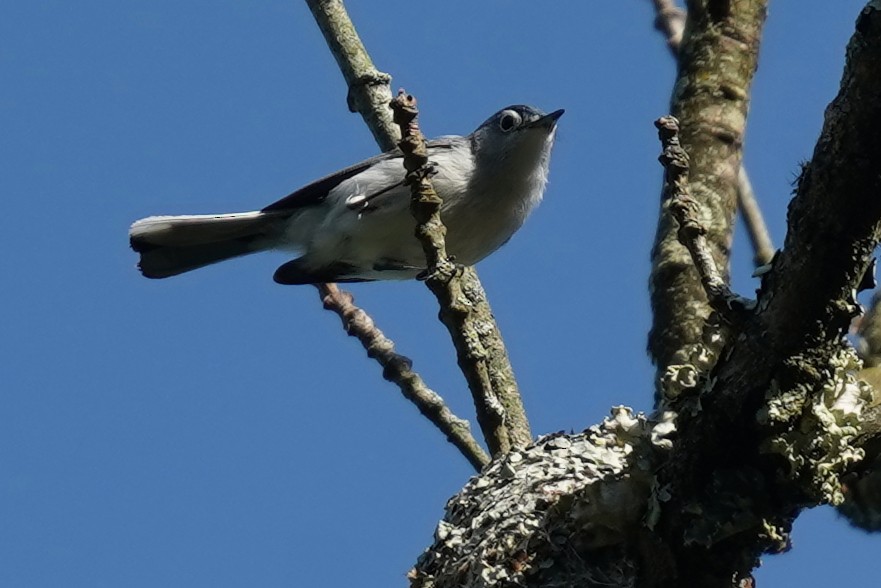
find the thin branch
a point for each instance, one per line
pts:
(486, 342)
(670, 20)
(397, 369)
(369, 90)
(687, 212)
(754, 221)
(425, 204)
(503, 426)
(369, 94)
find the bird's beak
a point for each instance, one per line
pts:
(548, 121)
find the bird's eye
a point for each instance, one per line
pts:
(509, 120)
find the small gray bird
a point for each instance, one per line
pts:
(355, 225)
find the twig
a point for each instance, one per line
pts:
(499, 409)
(692, 233)
(425, 204)
(670, 20)
(369, 90)
(397, 368)
(751, 213)
(869, 331)
(369, 94)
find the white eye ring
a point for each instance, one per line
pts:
(509, 120)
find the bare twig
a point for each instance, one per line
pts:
(499, 409)
(670, 20)
(398, 369)
(692, 233)
(751, 213)
(868, 329)
(425, 204)
(369, 90)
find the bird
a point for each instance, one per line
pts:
(354, 225)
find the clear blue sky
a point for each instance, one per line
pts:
(219, 430)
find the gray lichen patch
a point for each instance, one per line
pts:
(531, 509)
(821, 425)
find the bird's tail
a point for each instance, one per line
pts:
(171, 245)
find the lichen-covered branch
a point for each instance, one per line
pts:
(397, 369)
(835, 225)
(782, 421)
(499, 408)
(369, 90)
(556, 514)
(717, 60)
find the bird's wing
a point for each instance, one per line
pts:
(317, 191)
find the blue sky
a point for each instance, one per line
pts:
(219, 430)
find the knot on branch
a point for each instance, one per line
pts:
(686, 211)
(673, 157)
(412, 144)
(366, 80)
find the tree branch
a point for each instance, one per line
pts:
(835, 225)
(558, 513)
(767, 429)
(369, 94)
(398, 370)
(692, 233)
(670, 20)
(834, 217)
(372, 101)
(499, 409)
(754, 221)
(369, 90)
(717, 60)
(781, 420)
